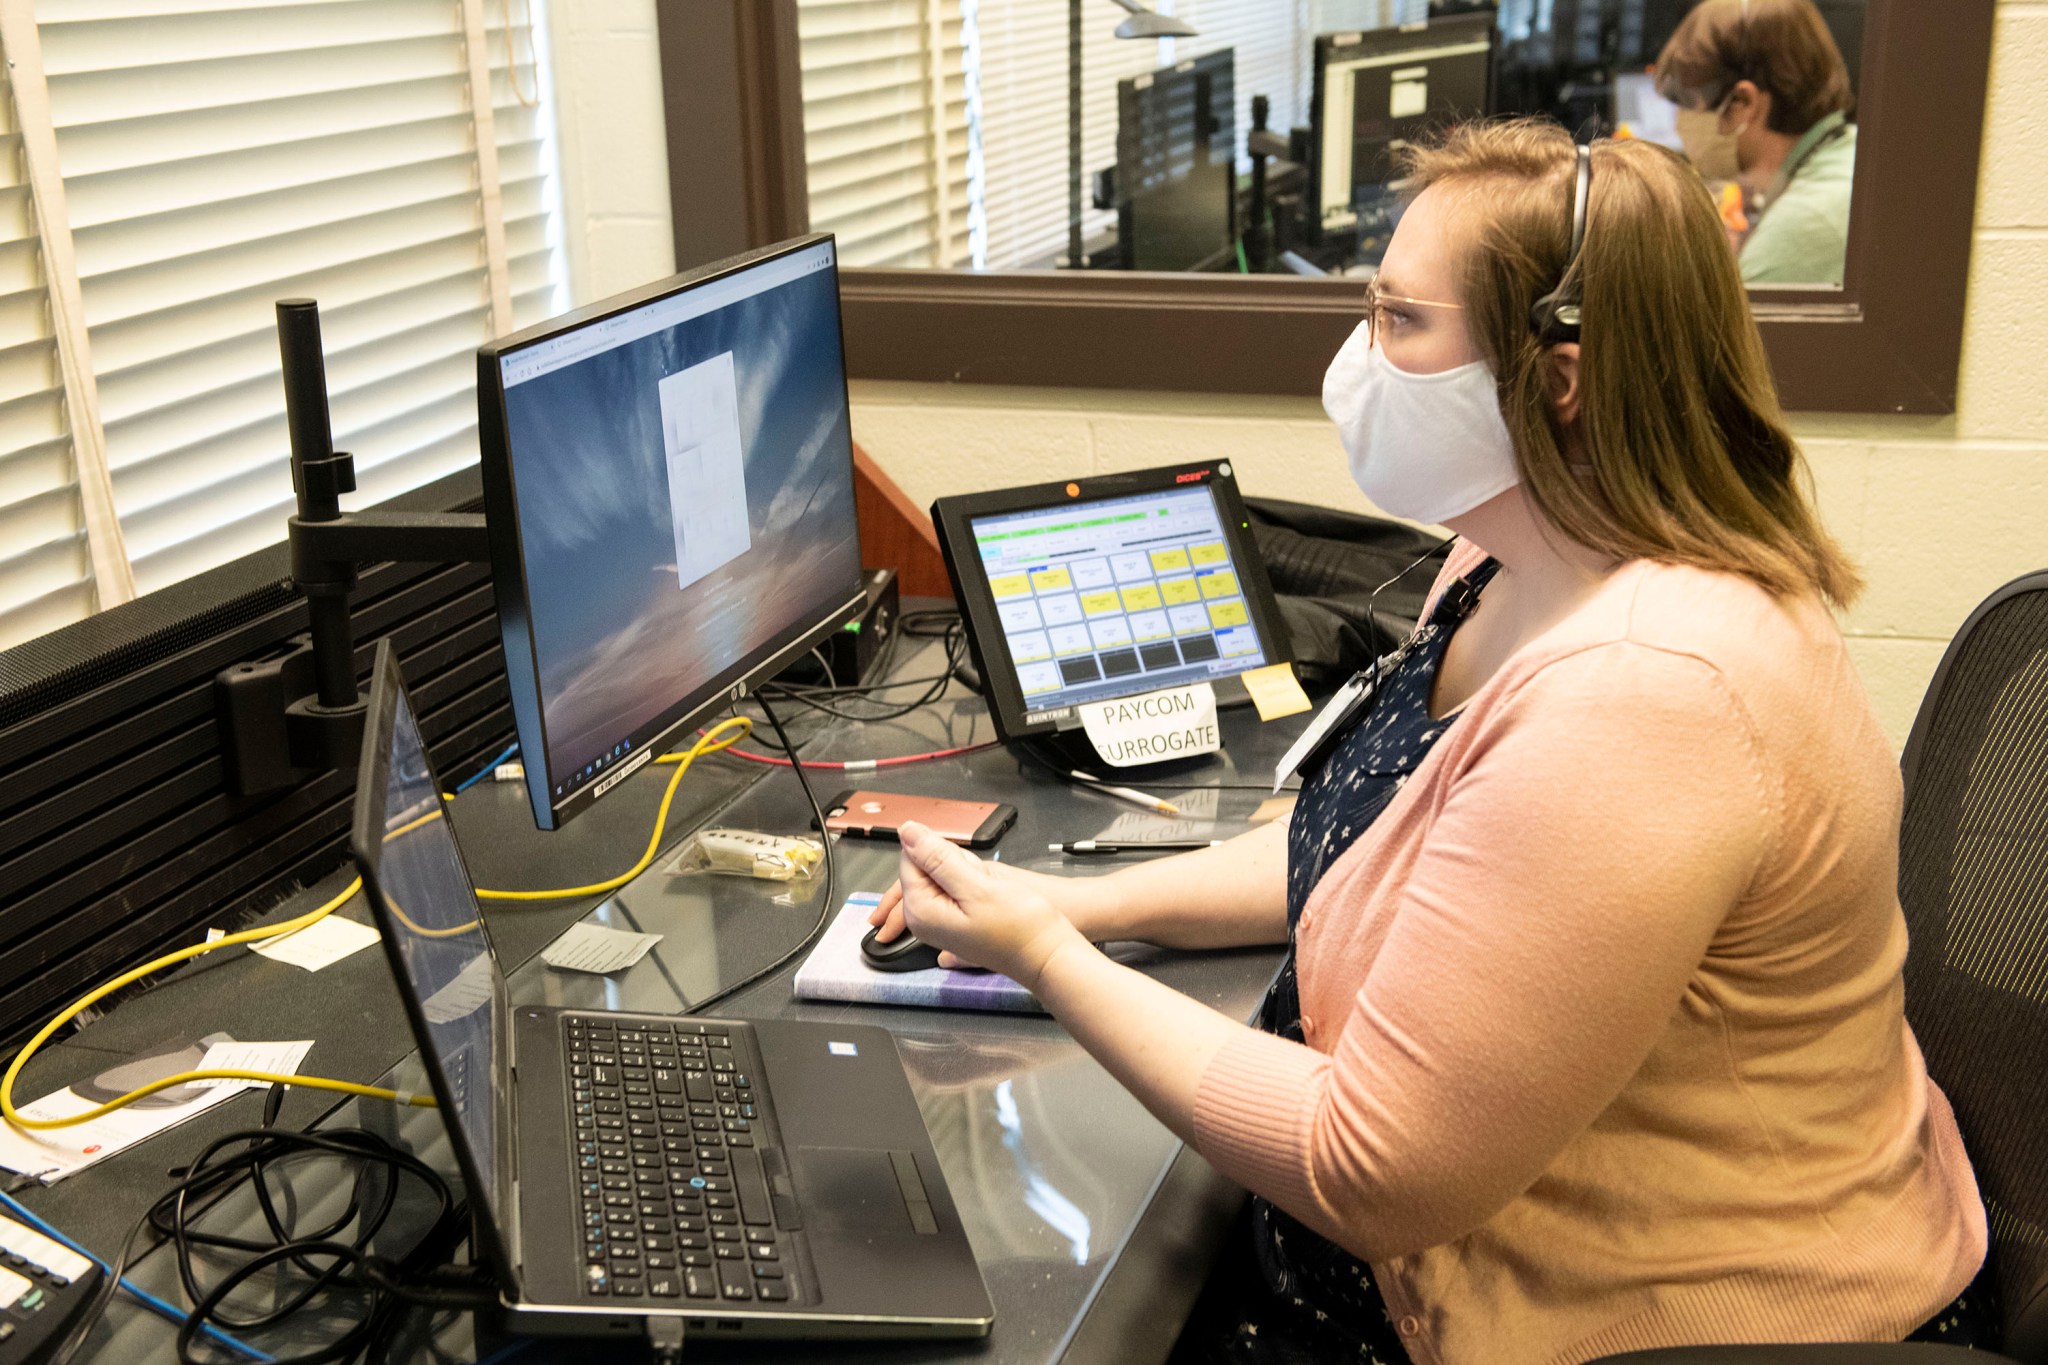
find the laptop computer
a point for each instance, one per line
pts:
(772, 1177)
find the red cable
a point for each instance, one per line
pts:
(861, 765)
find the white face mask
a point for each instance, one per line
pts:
(1427, 447)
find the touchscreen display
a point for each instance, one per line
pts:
(1117, 596)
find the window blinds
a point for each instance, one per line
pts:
(1023, 95)
(218, 155)
(885, 128)
(1271, 40)
(45, 571)
(1024, 121)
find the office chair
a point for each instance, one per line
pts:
(1973, 877)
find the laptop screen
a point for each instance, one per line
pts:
(430, 919)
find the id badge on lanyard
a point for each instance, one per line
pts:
(1308, 753)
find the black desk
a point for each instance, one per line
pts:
(1094, 1227)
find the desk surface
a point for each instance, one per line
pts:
(1090, 1220)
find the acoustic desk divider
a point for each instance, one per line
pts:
(120, 836)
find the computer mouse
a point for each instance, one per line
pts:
(900, 954)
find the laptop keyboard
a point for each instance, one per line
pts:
(675, 1207)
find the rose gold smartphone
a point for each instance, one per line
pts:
(878, 815)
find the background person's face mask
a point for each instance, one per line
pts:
(1706, 146)
(1427, 447)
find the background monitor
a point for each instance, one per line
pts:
(1377, 89)
(1176, 165)
(668, 478)
(1644, 113)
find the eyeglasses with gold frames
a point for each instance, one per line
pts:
(1379, 304)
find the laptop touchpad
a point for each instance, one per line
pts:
(863, 1191)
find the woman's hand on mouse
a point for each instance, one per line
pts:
(1081, 899)
(955, 902)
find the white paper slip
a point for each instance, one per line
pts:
(1179, 722)
(52, 1154)
(590, 947)
(468, 991)
(282, 1059)
(320, 944)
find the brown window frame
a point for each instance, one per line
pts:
(1889, 341)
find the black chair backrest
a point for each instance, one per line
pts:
(1973, 876)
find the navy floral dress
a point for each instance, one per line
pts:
(1282, 1294)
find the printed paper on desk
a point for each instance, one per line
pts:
(1177, 723)
(468, 991)
(53, 1154)
(322, 943)
(587, 947)
(1141, 826)
(283, 1059)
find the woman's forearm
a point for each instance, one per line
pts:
(1229, 896)
(1162, 1063)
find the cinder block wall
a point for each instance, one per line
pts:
(614, 144)
(1938, 511)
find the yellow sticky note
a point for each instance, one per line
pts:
(1212, 553)
(1143, 597)
(1222, 583)
(1099, 603)
(1275, 691)
(1179, 592)
(1052, 580)
(1166, 561)
(1229, 613)
(1009, 585)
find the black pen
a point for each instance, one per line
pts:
(1083, 848)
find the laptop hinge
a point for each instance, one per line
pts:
(508, 1150)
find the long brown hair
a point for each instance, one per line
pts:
(1680, 451)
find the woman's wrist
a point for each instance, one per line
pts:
(1061, 942)
(1096, 907)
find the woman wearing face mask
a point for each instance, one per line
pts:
(1590, 1037)
(1764, 100)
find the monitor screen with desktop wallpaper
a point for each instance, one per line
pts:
(669, 483)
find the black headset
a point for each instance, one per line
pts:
(1555, 316)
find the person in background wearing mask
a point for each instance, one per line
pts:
(1764, 100)
(1590, 1037)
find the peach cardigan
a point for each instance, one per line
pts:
(1606, 1048)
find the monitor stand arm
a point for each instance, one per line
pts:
(289, 717)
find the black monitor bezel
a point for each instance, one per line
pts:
(1128, 96)
(366, 843)
(954, 517)
(1324, 50)
(508, 560)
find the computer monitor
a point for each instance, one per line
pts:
(1378, 89)
(1109, 586)
(1176, 165)
(668, 480)
(1643, 113)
